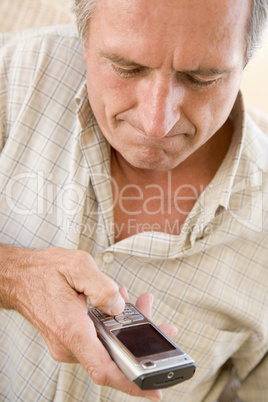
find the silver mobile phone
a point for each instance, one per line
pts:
(141, 350)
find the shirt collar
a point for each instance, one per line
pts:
(217, 195)
(212, 201)
(96, 151)
(227, 172)
(84, 112)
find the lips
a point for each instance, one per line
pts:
(158, 139)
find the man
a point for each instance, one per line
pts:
(149, 177)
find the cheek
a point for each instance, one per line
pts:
(109, 93)
(209, 110)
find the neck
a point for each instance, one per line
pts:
(161, 200)
(200, 167)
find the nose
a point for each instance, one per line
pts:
(159, 106)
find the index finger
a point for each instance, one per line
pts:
(145, 303)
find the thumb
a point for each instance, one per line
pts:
(103, 292)
(105, 295)
(85, 277)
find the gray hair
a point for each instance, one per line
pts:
(83, 11)
(257, 24)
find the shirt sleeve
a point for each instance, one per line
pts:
(3, 91)
(8, 44)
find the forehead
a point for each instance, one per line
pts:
(193, 30)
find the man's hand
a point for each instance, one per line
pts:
(50, 288)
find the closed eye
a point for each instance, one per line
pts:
(132, 72)
(201, 83)
(127, 72)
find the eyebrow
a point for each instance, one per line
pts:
(118, 59)
(203, 72)
(208, 72)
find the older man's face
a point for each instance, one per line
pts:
(163, 75)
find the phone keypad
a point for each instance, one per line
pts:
(123, 319)
(129, 315)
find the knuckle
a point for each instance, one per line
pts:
(55, 354)
(61, 355)
(83, 264)
(56, 351)
(77, 260)
(84, 258)
(62, 345)
(97, 376)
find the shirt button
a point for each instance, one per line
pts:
(108, 258)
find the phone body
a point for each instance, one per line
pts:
(141, 350)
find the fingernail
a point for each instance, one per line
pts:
(151, 301)
(156, 397)
(174, 332)
(116, 304)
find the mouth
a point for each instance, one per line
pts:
(158, 138)
(152, 152)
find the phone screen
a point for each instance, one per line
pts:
(143, 340)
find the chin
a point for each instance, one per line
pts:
(152, 163)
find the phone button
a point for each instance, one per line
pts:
(99, 314)
(137, 317)
(109, 322)
(148, 364)
(123, 319)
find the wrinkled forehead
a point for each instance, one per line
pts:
(205, 28)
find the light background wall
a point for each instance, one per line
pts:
(255, 81)
(21, 14)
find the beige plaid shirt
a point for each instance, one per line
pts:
(210, 281)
